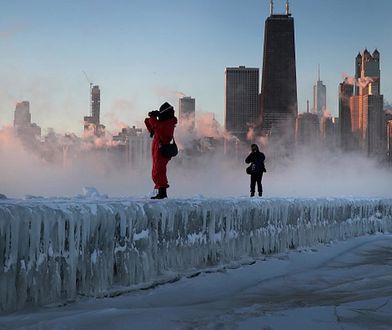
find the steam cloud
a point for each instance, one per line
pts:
(200, 169)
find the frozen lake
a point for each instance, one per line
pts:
(342, 285)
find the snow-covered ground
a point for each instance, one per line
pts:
(58, 250)
(341, 285)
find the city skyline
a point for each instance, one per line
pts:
(138, 63)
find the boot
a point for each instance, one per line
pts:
(260, 193)
(252, 194)
(161, 194)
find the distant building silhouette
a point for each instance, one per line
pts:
(308, 128)
(134, 145)
(22, 116)
(187, 110)
(92, 122)
(241, 100)
(279, 81)
(329, 131)
(22, 122)
(319, 96)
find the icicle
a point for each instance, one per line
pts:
(52, 251)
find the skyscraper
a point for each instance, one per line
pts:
(186, 109)
(241, 100)
(329, 131)
(22, 116)
(373, 131)
(279, 81)
(356, 112)
(346, 91)
(308, 128)
(366, 107)
(389, 140)
(319, 97)
(358, 69)
(370, 73)
(22, 122)
(92, 122)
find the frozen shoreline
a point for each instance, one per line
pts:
(330, 286)
(56, 250)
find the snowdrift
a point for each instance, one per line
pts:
(56, 250)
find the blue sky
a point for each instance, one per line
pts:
(142, 51)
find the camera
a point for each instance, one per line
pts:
(154, 113)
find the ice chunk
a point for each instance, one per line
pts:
(92, 193)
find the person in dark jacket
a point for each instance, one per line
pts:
(256, 169)
(161, 125)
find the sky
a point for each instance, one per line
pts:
(144, 52)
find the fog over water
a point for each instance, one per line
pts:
(305, 173)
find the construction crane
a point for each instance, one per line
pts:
(91, 87)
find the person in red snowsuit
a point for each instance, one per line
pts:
(161, 125)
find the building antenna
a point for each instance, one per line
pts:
(318, 72)
(287, 7)
(271, 7)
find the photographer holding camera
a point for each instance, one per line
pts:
(161, 126)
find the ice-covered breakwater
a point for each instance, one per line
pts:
(56, 250)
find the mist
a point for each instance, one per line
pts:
(200, 169)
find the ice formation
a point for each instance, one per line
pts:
(54, 250)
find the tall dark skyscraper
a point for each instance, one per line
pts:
(279, 81)
(241, 100)
(346, 91)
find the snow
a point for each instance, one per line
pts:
(59, 250)
(343, 285)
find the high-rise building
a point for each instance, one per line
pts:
(134, 144)
(373, 130)
(279, 81)
(370, 73)
(319, 97)
(389, 140)
(22, 121)
(92, 122)
(366, 106)
(308, 128)
(22, 115)
(241, 100)
(388, 114)
(358, 69)
(329, 131)
(187, 110)
(356, 111)
(346, 91)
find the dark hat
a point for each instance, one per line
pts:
(165, 107)
(255, 146)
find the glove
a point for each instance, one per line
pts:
(154, 113)
(151, 134)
